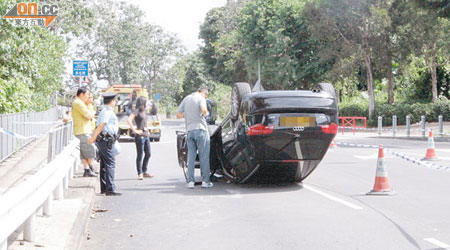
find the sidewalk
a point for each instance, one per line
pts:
(415, 132)
(67, 225)
(24, 163)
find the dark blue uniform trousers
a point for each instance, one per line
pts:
(107, 167)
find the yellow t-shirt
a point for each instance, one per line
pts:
(92, 110)
(81, 123)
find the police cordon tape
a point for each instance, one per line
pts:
(13, 134)
(22, 137)
(43, 123)
(400, 155)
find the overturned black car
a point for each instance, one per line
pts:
(283, 133)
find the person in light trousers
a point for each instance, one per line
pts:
(194, 110)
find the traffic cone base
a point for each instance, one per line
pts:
(381, 192)
(381, 186)
(430, 154)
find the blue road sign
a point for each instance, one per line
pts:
(158, 96)
(80, 68)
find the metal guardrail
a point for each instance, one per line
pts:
(58, 138)
(21, 203)
(29, 125)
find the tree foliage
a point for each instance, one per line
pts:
(31, 65)
(359, 46)
(125, 49)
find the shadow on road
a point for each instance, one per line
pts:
(222, 188)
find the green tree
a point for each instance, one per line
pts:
(31, 65)
(222, 50)
(276, 33)
(124, 49)
(349, 29)
(423, 33)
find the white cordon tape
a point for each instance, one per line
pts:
(43, 123)
(400, 155)
(10, 133)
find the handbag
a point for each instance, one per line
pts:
(116, 148)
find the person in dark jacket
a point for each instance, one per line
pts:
(141, 137)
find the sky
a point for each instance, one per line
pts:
(182, 17)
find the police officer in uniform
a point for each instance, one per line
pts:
(106, 135)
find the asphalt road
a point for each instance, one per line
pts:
(328, 211)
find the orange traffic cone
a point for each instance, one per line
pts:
(431, 154)
(333, 144)
(381, 186)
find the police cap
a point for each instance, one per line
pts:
(108, 96)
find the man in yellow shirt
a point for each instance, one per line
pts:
(90, 106)
(82, 129)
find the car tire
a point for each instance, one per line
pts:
(327, 87)
(239, 90)
(156, 139)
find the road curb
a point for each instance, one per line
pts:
(78, 232)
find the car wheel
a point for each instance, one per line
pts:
(157, 139)
(327, 87)
(240, 89)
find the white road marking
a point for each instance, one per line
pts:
(345, 203)
(437, 243)
(443, 149)
(367, 157)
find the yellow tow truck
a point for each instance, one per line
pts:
(126, 102)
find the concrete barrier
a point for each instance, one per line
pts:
(20, 204)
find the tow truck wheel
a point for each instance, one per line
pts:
(240, 89)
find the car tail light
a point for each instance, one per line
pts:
(259, 129)
(330, 129)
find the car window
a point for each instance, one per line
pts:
(254, 119)
(226, 127)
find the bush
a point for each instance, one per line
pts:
(354, 108)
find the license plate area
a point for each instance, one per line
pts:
(297, 121)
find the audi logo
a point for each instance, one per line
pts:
(298, 129)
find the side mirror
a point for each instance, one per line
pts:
(212, 109)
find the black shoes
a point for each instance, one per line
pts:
(112, 193)
(89, 173)
(92, 169)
